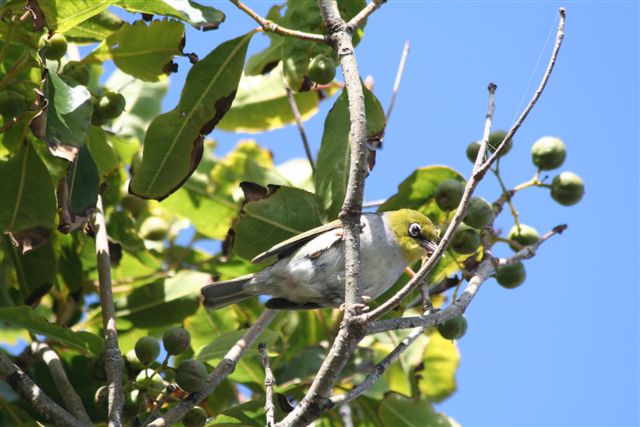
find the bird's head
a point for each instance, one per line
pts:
(415, 233)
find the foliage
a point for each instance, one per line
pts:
(59, 153)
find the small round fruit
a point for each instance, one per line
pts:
(322, 69)
(176, 340)
(154, 228)
(191, 375)
(133, 204)
(448, 194)
(495, 138)
(147, 349)
(526, 235)
(548, 153)
(55, 47)
(150, 381)
(454, 328)
(196, 417)
(511, 276)
(466, 240)
(12, 103)
(567, 188)
(472, 151)
(77, 71)
(111, 104)
(479, 213)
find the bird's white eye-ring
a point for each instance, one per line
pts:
(415, 230)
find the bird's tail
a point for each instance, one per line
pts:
(220, 294)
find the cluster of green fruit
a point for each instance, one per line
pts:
(153, 378)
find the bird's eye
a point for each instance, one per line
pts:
(415, 230)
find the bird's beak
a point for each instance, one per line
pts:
(428, 246)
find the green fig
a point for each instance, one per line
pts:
(322, 70)
(567, 188)
(511, 276)
(448, 194)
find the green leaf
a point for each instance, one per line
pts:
(217, 349)
(25, 317)
(27, 197)
(163, 302)
(173, 143)
(332, 169)
(248, 414)
(105, 157)
(69, 112)
(295, 60)
(261, 104)
(201, 17)
(260, 62)
(143, 50)
(205, 324)
(35, 271)
(70, 263)
(437, 379)
(95, 29)
(63, 15)
(83, 183)
(282, 214)
(399, 411)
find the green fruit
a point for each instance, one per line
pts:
(196, 417)
(12, 103)
(110, 105)
(77, 71)
(191, 375)
(495, 138)
(567, 188)
(548, 153)
(176, 340)
(466, 240)
(322, 70)
(134, 402)
(133, 204)
(55, 47)
(526, 235)
(511, 276)
(448, 194)
(150, 381)
(454, 328)
(479, 213)
(147, 349)
(472, 151)
(154, 228)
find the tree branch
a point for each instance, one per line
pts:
(272, 27)
(269, 382)
(112, 357)
(37, 398)
(357, 20)
(222, 371)
(303, 135)
(396, 83)
(71, 399)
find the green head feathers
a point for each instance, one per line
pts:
(415, 233)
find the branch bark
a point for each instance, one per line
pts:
(269, 383)
(112, 356)
(359, 19)
(72, 401)
(222, 371)
(24, 386)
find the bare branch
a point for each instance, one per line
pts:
(222, 371)
(71, 399)
(272, 27)
(453, 226)
(269, 383)
(396, 84)
(37, 398)
(112, 356)
(303, 135)
(543, 83)
(357, 20)
(345, 414)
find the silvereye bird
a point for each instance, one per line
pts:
(309, 271)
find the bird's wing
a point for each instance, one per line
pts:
(283, 249)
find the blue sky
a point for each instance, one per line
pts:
(563, 348)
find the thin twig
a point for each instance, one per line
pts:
(112, 356)
(345, 414)
(72, 401)
(303, 135)
(221, 371)
(272, 27)
(396, 83)
(269, 383)
(37, 398)
(357, 20)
